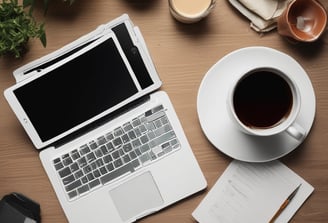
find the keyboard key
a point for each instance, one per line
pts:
(144, 139)
(118, 132)
(84, 149)
(104, 149)
(75, 154)
(157, 149)
(109, 136)
(132, 134)
(72, 194)
(82, 162)
(136, 143)
(152, 155)
(119, 172)
(137, 132)
(117, 142)
(163, 138)
(151, 135)
(65, 156)
(87, 169)
(158, 108)
(98, 153)
(90, 177)
(133, 155)
(160, 154)
(127, 127)
(78, 174)
(160, 131)
(135, 163)
(110, 167)
(69, 179)
(143, 119)
(142, 128)
(93, 145)
(127, 147)
(125, 138)
(110, 147)
(57, 160)
(158, 123)
(136, 122)
(90, 157)
(115, 154)
(67, 161)
(126, 158)
(155, 116)
(164, 145)
(108, 158)
(103, 170)
(73, 185)
(59, 165)
(144, 157)
(164, 120)
(174, 143)
(65, 172)
(99, 163)
(168, 149)
(93, 165)
(149, 112)
(84, 180)
(144, 148)
(74, 167)
(138, 152)
(83, 189)
(101, 140)
(118, 162)
(96, 173)
(94, 183)
(150, 126)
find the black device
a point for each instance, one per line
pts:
(17, 208)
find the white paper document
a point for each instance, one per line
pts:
(253, 192)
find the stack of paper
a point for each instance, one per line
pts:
(253, 192)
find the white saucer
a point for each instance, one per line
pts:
(213, 113)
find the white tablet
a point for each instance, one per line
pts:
(55, 101)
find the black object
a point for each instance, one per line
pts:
(17, 208)
(130, 50)
(133, 55)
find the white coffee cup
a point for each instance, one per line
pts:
(265, 102)
(190, 11)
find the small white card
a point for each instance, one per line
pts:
(252, 192)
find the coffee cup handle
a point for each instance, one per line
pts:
(296, 131)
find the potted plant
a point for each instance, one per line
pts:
(17, 26)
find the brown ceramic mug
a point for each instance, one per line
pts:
(303, 20)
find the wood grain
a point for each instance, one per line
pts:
(182, 55)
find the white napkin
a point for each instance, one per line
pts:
(263, 14)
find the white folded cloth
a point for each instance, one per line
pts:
(263, 14)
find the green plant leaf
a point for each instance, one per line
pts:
(17, 27)
(42, 36)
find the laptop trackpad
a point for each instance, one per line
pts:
(136, 197)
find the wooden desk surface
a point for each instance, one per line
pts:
(182, 54)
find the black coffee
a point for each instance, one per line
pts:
(262, 99)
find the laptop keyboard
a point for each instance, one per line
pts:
(127, 148)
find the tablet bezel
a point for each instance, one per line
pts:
(28, 125)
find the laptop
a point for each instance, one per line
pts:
(109, 138)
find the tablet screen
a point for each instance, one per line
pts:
(77, 91)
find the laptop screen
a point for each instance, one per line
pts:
(77, 91)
